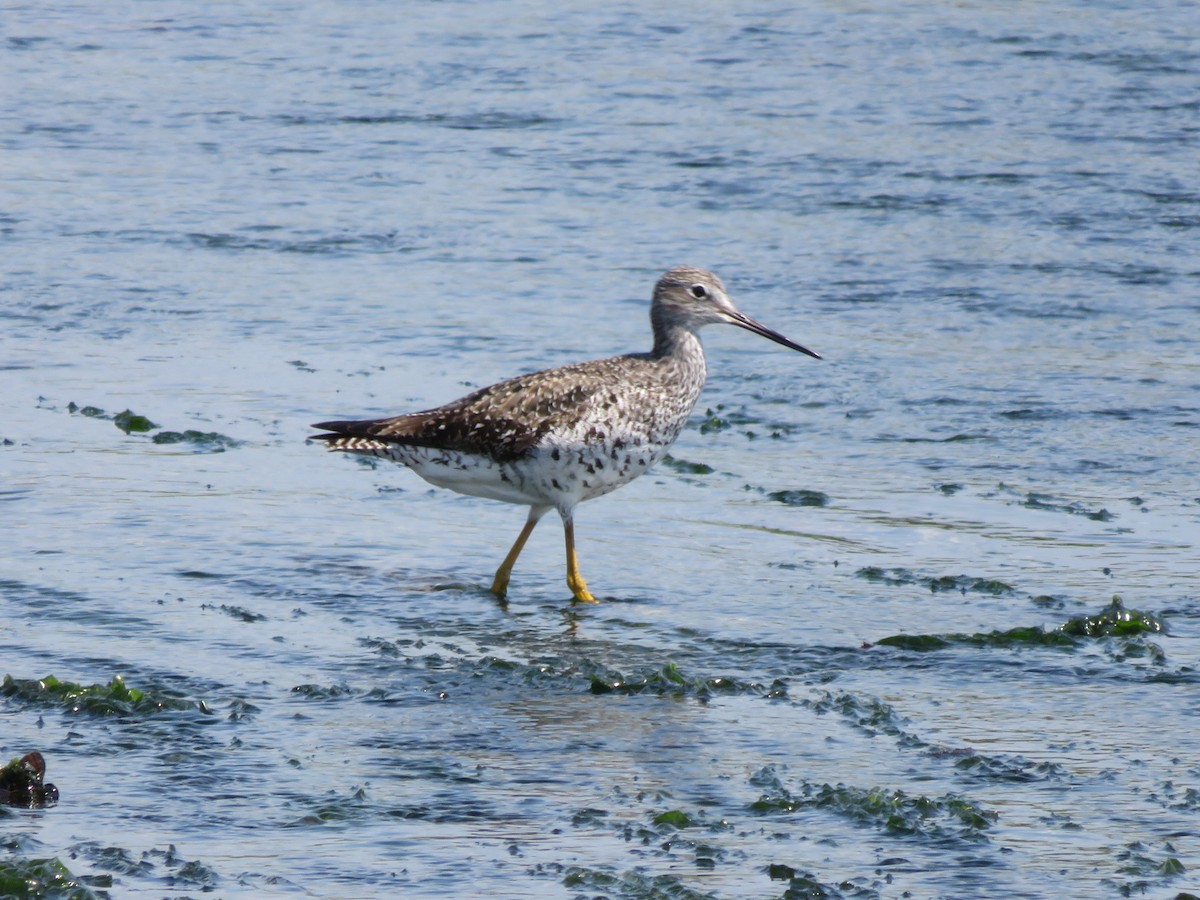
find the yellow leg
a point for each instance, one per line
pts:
(574, 580)
(500, 582)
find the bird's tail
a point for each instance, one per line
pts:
(354, 436)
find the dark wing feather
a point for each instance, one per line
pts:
(503, 421)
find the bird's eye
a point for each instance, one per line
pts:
(699, 291)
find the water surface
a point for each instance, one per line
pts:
(236, 221)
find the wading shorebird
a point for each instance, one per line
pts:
(552, 439)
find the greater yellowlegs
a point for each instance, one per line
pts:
(552, 439)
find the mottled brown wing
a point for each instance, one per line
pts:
(504, 420)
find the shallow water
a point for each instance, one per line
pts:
(238, 221)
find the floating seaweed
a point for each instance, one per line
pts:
(114, 698)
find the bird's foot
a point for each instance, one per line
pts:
(579, 590)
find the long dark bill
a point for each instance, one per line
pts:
(742, 321)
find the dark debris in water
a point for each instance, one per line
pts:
(188, 872)
(164, 865)
(1114, 621)
(961, 583)
(1141, 870)
(800, 497)
(685, 467)
(1051, 504)
(669, 680)
(134, 423)
(870, 715)
(112, 699)
(1033, 635)
(22, 783)
(632, 885)
(91, 412)
(358, 805)
(637, 885)
(949, 817)
(236, 612)
(674, 818)
(1006, 768)
(130, 422)
(717, 420)
(873, 717)
(204, 440)
(127, 420)
(117, 860)
(794, 496)
(806, 886)
(714, 421)
(323, 692)
(36, 879)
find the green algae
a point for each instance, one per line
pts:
(129, 422)
(713, 423)
(965, 583)
(41, 879)
(135, 423)
(1114, 621)
(921, 643)
(873, 717)
(589, 816)
(669, 680)
(950, 816)
(717, 420)
(961, 583)
(1007, 769)
(165, 866)
(112, 699)
(1033, 635)
(111, 859)
(210, 440)
(91, 412)
(1143, 869)
(870, 715)
(881, 576)
(674, 818)
(631, 885)
(323, 692)
(806, 886)
(685, 467)
(635, 885)
(353, 807)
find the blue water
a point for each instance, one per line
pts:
(239, 219)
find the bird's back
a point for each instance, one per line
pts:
(631, 398)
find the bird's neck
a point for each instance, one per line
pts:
(674, 340)
(678, 349)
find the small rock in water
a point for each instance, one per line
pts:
(21, 783)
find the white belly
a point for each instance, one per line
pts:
(554, 475)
